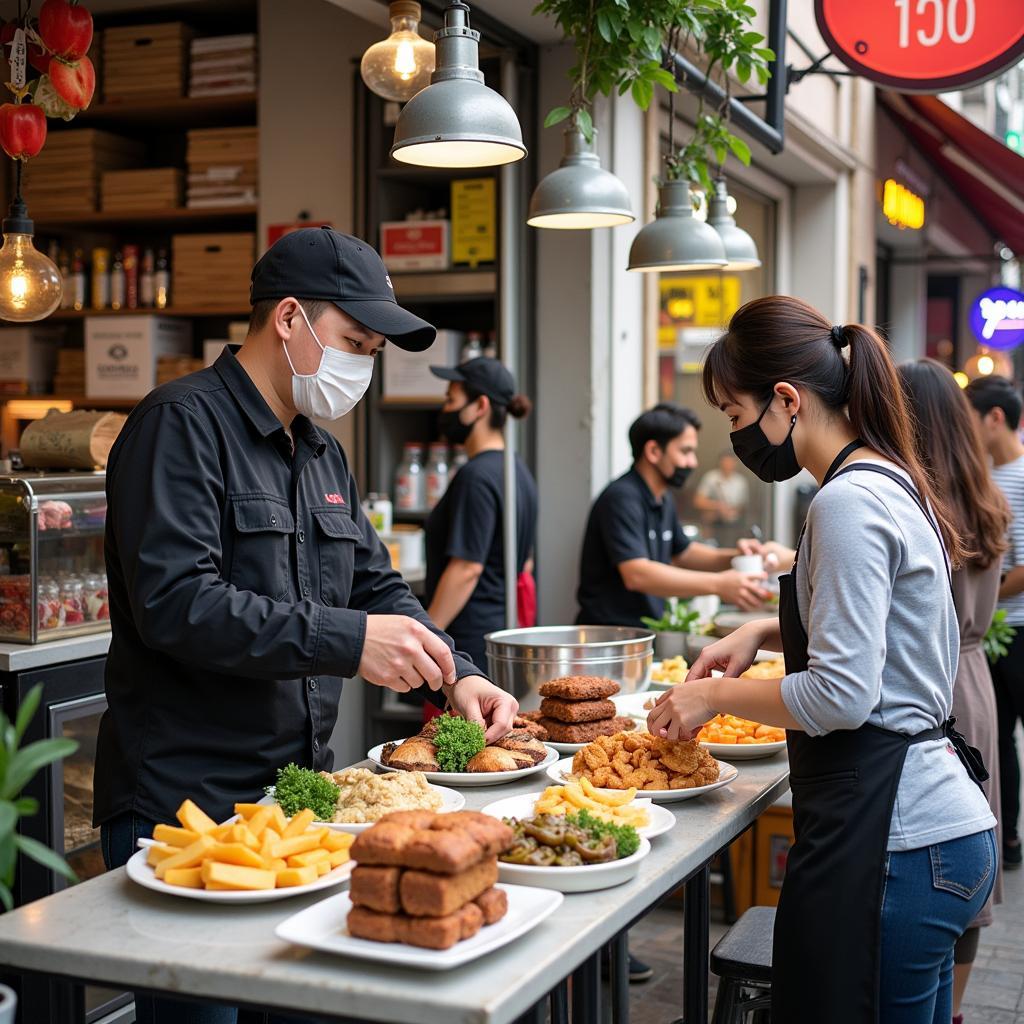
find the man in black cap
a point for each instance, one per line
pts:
(245, 581)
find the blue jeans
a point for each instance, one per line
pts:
(931, 897)
(118, 839)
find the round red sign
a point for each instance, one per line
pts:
(924, 45)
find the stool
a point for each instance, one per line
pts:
(743, 961)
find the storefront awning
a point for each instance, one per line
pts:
(987, 175)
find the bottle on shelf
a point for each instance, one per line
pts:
(117, 282)
(131, 276)
(100, 278)
(147, 282)
(437, 473)
(162, 280)
(474, 347)
(78, 280)
(67, 293)
(459, 459)
(410, 480)
(491, 348)
(379, 511)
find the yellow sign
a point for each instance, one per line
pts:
(902, 207)
(474, 226)
(696, 300)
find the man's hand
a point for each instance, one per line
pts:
(402, 654)
(777, 557)
(742, 589)
(480, 701)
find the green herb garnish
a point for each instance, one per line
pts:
(300, 789)
(457, 740)
(627, 839)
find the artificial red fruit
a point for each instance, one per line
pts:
(22, 130)
(75, 82)
(65, 28)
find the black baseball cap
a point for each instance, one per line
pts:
(321, 263)
(484, 375)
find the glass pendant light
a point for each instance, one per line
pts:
(30, 284)
(675, 239)
(740, 248)
(397, 68)
(457, 121)
(579, 193)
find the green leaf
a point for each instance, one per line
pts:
(664, 78)
(27, 710)
(8, 858)
(556, 116)
(765, 52)
(721, 151)
(26, 806)
(749, 38)
(763, 74)
(43, 855)
(652, 39)
(27, 761)
(5, 897)
(604, 26)
(643, 93)
(8, 818)
(586, 123)
(743, 70)
(740, 149)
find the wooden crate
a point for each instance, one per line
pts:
(153, 188)
(212, 269)
(223, 166)
(141, 61)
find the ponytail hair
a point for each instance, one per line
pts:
(518, 407)
(780, 338)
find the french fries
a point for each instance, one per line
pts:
(262, 851)
(732, 730)
(580, 794)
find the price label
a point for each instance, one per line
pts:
(19, 52)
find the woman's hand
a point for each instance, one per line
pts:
(732, 655)
(681, 711)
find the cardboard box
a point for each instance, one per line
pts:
(121, 352)
(407, 374)
(415, 244)
(28, 358)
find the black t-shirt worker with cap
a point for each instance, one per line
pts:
(245, 581)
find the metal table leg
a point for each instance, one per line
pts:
(696, 942)
(559, 998)
(586, 991)
(618, 955)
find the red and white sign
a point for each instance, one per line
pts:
(276, 231)
(415, 244)
(924, 45)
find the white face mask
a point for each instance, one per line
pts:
(339, 382)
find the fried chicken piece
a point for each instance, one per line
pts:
(492, 835)
(383, 844)
(385, 753)
(425, 894)
(586, 732)
(493, 759)
(376, 888)
(530, 725)
(415, 755)
(445, 852)
(574, 711)
(472, 920)
(411, 819)
(426, 932)
(579, 688)
(494, 904)
(682, 757)
(529, 749)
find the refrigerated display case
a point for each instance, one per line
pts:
(53, 582)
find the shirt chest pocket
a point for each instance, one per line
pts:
(262, 543)
(337, 537)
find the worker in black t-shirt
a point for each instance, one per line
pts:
(465, 583)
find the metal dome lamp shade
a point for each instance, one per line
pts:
(457, 121)
(675, 239)
(579, 194)
(740, 248)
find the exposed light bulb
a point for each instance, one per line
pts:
(986, 365)
(400, 66)
(961, 378)
(30, 284)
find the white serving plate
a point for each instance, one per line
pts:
(585, 878)
(743, 751)
(452, 800)
(469, 778)
(142, 874)
(726, 773)
(632, 706)
(565, 748)
(322, 926)
(522, 806)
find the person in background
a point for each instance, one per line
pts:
(635, 553)
(893, 836)
(998, 406)
(465, 543)
(950, 449)
(723, 495)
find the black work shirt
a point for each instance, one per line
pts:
(240, 579)
(626, 522)
(467, 523)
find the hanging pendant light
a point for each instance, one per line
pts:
(400, 66)
(30, 284)
(675, 239)
(579, 193)
(457, 121)
(740, 248)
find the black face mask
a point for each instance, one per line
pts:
(678, 477)
(770, 462)
(452, 427)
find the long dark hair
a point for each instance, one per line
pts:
(950, 449)
(781, 338)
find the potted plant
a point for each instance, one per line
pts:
(673, 629)
(18, 766)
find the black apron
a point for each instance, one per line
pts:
(826, 954)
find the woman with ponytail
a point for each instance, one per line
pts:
(894, 854)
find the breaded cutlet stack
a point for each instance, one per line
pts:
(576, 709)
(427, 879)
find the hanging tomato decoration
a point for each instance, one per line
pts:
(73, 81)
(22, 130)
(65, 29)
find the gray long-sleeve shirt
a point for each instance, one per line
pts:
(883, 646)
